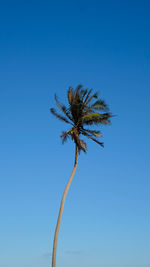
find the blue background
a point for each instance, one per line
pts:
(45, 46)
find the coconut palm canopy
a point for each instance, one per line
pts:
(84, 109)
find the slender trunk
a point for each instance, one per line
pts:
(61, 210)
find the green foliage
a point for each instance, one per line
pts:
(100, 105)
(80, 112)
(96, 118)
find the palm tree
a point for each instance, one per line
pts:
(82, 111)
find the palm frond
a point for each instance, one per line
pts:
(80, 143)
(60, 117)
(67, 112)
(93, 132)
(91, 137)
(70, 95)
(93, 96)
(100, 105)
(65, 136)
(83, 92)
(96, 118)
(89, 116)
(78, 88)
(63, 108)
(95, 140)
(87, 96)
(84, 146)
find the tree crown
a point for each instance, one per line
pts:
(84, 108)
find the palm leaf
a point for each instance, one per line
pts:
(87, 96)
(100, 105)
(93, 96)
(96, 118)
(70, 95)
(60, 117)
(65, 136)
(95, 140)
(76, 94)
(80, 143)
(91, 116)
(91, 137)
(63, 108)
(93, 132)
(83, 145)
(83, 93)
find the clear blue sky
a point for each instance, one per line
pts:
(45, 46)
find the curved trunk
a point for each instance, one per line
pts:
(61, 210)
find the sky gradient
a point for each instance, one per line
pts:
(44, 48)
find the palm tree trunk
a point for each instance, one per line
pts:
(61, 209)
